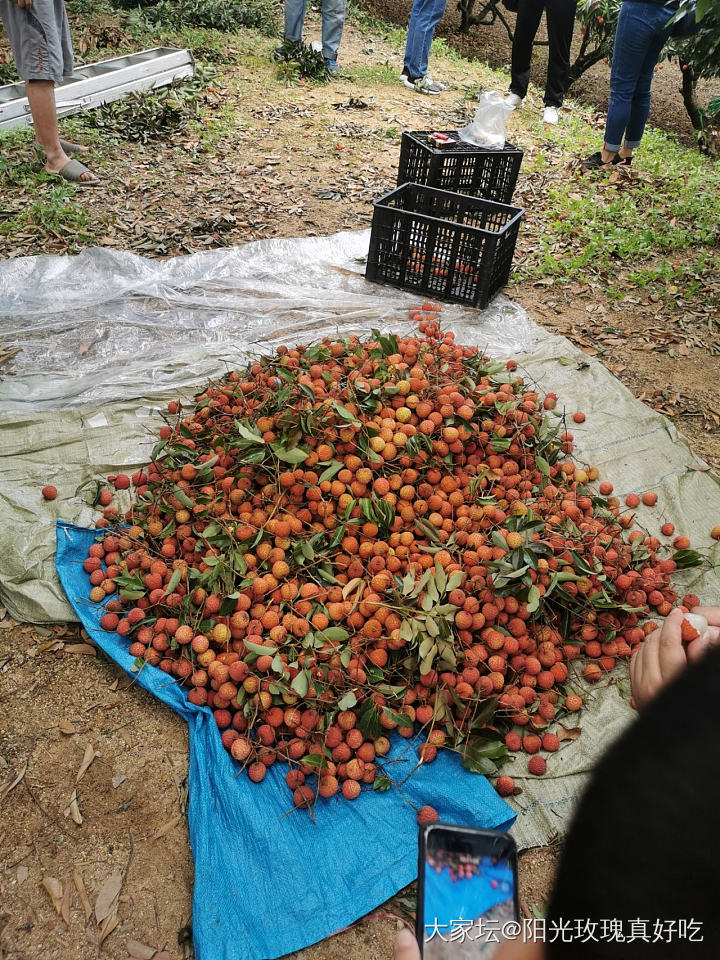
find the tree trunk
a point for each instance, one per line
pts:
(466, 8)
(689, 95)
(583, 64)
(489, 13)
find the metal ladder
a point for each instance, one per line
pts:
(98, 83)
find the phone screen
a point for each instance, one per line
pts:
(468, 894)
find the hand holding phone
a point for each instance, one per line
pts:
(467, 891)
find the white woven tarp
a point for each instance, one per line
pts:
(108, 338)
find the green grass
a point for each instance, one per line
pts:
(213, 131)
(670, 278)
(589, 227)
(373, 73)
(54, 215)
(8, 73)
(209, 14)
(441, 48)
(375, 28)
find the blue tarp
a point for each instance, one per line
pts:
(351, 859)
(467, 899)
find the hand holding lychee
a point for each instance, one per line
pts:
(682, 639)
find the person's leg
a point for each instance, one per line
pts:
(43, 55)
(333, 21)
(526, 27)
(640, 108)
(413, 44)
(639, 27)
(41, 97)
(560, 25)
(294, 18)
(434, 14)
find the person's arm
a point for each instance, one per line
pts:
(662, 655)
(24, 4)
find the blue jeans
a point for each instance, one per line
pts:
(642, 32)
(424, 17)
(333, 21)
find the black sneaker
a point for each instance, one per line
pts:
(595, 161)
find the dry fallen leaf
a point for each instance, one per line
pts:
(7, 787)
(568, 733)
(66, 727)
(107, 926)
(82, 893)
(55, 891)
(165, 828)
(140, 951)
(50, 645)
(90, 755)
(65, 905)
(22, 873)
(73, 809)
(109, 892)
(85, 648)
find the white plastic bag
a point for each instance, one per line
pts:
(487, 129)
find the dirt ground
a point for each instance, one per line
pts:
(306, 161)
(57, 699)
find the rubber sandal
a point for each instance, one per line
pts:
(73, 170)
(68, 147)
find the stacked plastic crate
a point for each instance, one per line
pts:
(448, 230)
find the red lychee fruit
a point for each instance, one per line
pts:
(427, 814)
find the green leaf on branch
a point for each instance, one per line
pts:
(329, 472)
(183, 497)
(369, 721)
(301, 683)
(315, 760)
(348, 701)
(260, 649)
(401, 719)
(687, 558)
(173, 581)
(533, 601)
(485, 713)
(296, 455)
(477, 762)
(247, 434)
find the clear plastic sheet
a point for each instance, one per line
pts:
(107, 326)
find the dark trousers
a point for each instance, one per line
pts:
(560, 25)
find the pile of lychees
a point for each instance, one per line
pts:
(362, 538)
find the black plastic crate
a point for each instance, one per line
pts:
(463, 168)
(448, 245)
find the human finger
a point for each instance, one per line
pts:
(406, 947)
(645, 675)
(671, 653)
(711, 614)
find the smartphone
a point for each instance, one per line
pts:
(467, 891)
